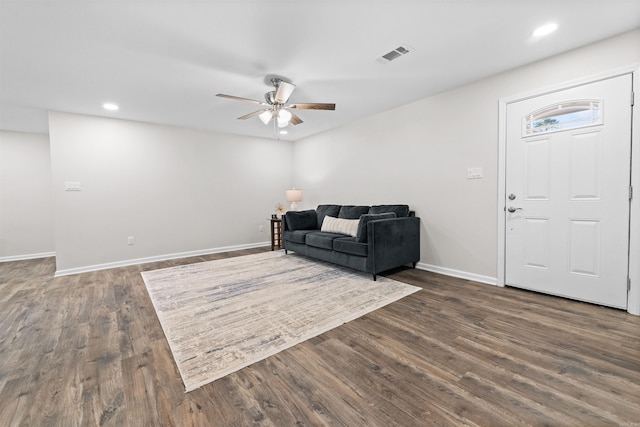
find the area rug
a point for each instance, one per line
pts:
(221, 316)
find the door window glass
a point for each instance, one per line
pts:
(563, 116)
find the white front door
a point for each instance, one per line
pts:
(568, 163)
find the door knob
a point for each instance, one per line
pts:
(512, 209)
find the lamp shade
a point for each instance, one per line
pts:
(294, 195)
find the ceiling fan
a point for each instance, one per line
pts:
(277, 107)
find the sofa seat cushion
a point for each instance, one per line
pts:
(352, 212)
(349, 245)
(296, 236)
(302, 220)
(401, 211)
(322, 239)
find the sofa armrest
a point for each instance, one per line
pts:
(284, 222)
(393, 242)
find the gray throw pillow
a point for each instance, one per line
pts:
(400, 210)
(361, 235)
(352, 212)
(301, 220)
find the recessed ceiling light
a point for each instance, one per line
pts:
(283, 132)
(545, 29)
(109, 106)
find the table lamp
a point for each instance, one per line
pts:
(293, 196)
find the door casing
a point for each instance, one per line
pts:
(633, 300)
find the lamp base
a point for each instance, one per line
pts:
(294, 206)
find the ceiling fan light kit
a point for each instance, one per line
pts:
(284, 117)
(266, 116)
(277, 107)
(283, 90)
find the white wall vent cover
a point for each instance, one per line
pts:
(396, 53)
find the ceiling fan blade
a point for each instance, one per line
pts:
(283, 92)
(313, 106)
(237, 98)
(255, 113)
(295, 120)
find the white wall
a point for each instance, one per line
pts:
(419, 154)
(175, 190)
(26, 218)
(179, 191)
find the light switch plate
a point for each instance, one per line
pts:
(474, 173)
(72, 186)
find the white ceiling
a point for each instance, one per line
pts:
(164, 61)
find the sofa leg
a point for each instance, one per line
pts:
(414, 264)
(374, 277)
(285, 251)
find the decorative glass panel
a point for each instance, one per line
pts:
(563, 116)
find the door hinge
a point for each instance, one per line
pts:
(630, 192)
(628, 284)
(633, 98)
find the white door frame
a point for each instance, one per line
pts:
(633, 300)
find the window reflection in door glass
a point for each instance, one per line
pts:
(562, 116)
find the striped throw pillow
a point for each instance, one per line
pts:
(340, 225)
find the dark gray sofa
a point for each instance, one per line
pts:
(387, 236)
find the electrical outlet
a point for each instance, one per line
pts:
(131, 240)
(261, 228)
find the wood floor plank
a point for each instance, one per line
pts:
(88, 350)
(438, 367)
(140, 390)
(276, 403)
(15, 401)
(381, 385)
(220, 403)
(329, 399)
(542, 371)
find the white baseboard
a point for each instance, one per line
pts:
(27, 256)
(165, 257)
(457, 273)
(67, 272)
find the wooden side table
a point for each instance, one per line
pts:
(276, 233)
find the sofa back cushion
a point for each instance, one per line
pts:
(352, 212)
(340, 225)
(361, 234)
(401, 211)
(323, 210)
(301, 220)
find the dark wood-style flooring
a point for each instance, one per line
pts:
(88, 350)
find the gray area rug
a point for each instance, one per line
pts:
(221, 316)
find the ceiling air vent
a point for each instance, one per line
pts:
(396, 53)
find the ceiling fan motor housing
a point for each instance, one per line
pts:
(270, 97)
